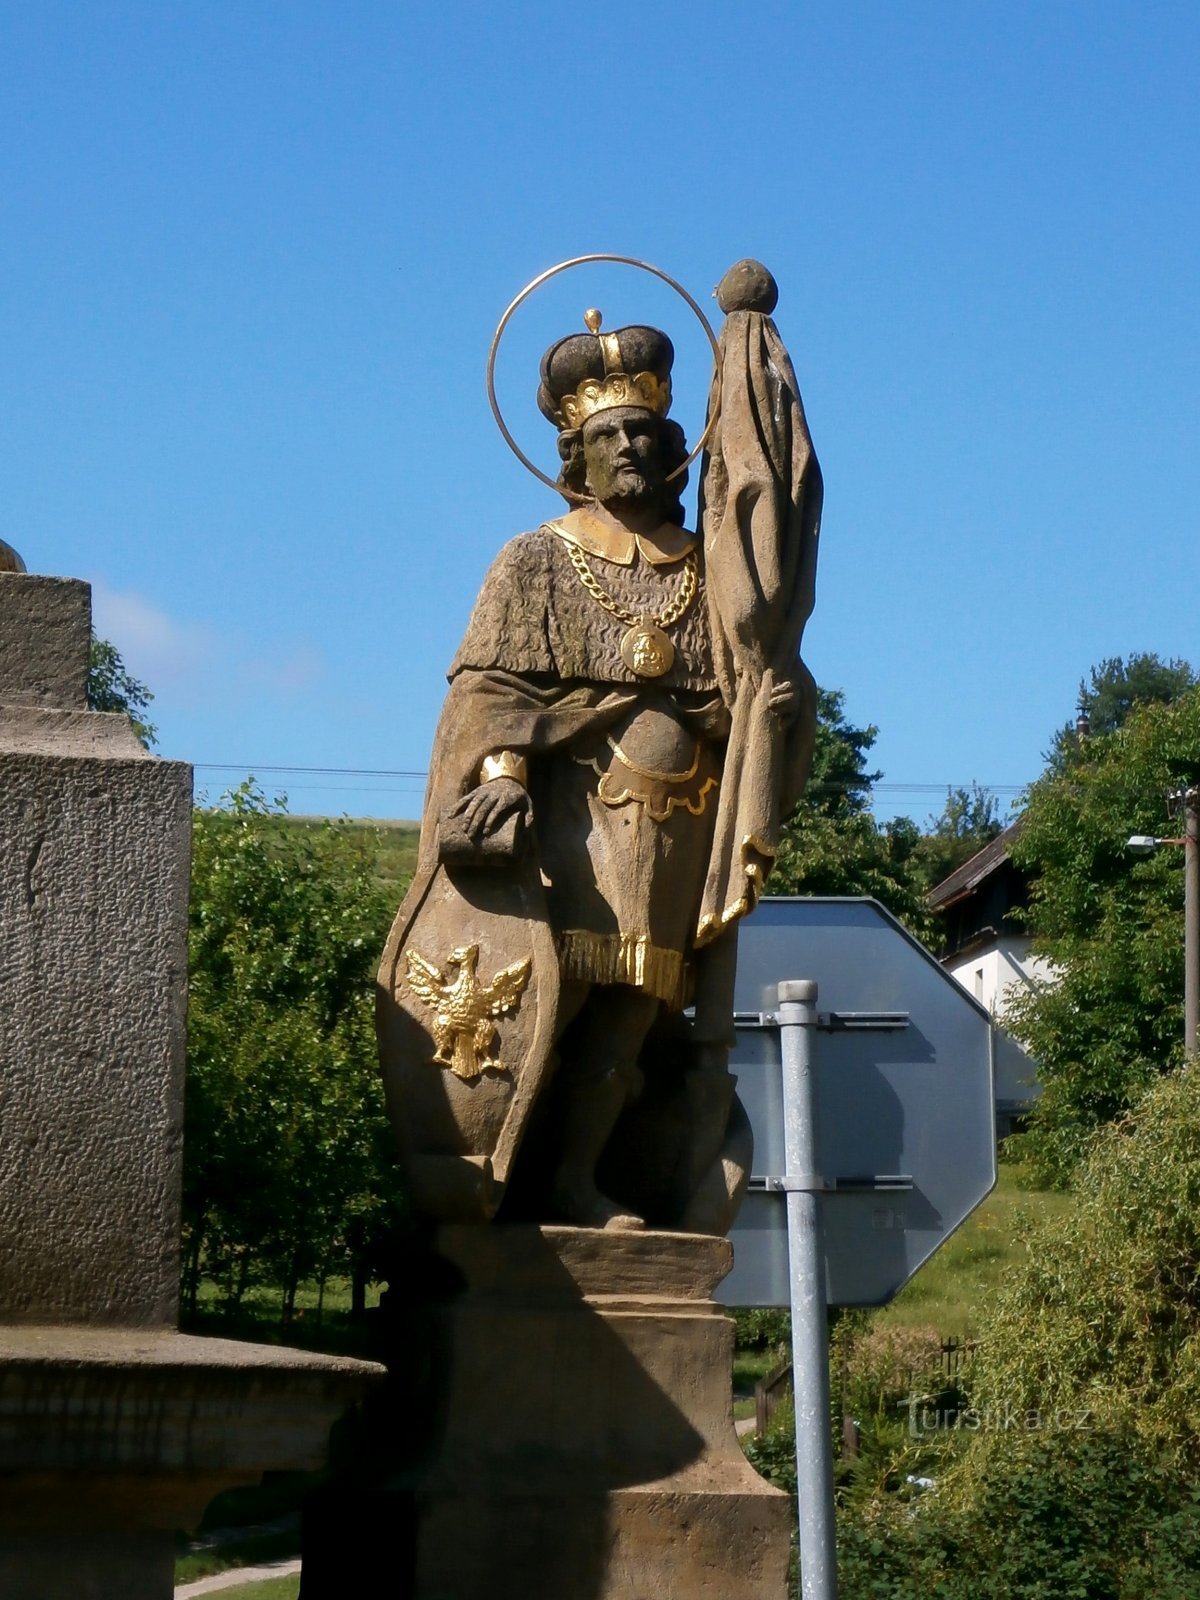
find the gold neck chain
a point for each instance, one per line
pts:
(670, 614)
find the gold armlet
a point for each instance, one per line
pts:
(505, 764)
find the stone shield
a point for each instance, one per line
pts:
(466, 1004)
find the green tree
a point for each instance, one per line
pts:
(840, 783)
(1112, 925)
(289, 1168)
(1110, 692)
(1104, 1314)
(832, 844)
(111, 687)
(969, 820)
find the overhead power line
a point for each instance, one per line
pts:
(316, 772)
(268, 769)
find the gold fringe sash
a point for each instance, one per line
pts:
(624, 958)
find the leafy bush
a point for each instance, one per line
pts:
(1105, 1314)
(773, 1454)
(289, 1165)
(1041, 1516)
(1076, 1472)
(762, 1328)
(885, 1365)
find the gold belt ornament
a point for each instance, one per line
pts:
(629, 958)
(656, 792)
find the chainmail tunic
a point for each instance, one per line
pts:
(534, 616)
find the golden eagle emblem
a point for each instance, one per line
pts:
(464, 1010)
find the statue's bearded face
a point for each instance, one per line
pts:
(624, 461)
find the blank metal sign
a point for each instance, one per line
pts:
(905, 1107)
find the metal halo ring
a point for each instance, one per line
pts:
(536, 283)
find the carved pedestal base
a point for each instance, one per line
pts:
(587, 1448)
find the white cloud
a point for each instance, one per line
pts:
(154, 646)
(193, 656)
(291, 672)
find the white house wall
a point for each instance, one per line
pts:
(997, 973)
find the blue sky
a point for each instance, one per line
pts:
(251, 258)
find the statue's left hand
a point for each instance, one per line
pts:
(785, 699)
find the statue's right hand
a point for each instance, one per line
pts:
(487, 827)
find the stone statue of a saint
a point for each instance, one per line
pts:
(627, 723)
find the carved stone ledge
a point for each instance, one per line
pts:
(111, 1439)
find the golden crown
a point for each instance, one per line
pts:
(615, 389)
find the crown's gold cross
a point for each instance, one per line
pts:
(465, 1010)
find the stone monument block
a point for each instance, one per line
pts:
(45, 633)
(582, 1443)
(93, 995)
(115, 1429)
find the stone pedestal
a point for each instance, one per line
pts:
(586, 1449)
(114, 1429)
(94, 849)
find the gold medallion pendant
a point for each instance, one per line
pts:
(646, 650)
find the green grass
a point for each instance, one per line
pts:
(259, 1317)
(247, 1553)
(953, 1290)
(751, 1365)
(266, 1300)
(267, 1589)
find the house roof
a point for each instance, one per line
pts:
(966, 879)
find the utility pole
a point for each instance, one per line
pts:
(1191, 917)
(1186, 801)
(806, 1259)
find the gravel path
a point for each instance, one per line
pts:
(235, 1577)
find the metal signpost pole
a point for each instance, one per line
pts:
(1191, 912)
(810, 1342)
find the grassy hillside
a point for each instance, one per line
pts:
(394, 845)
(953, 1291)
